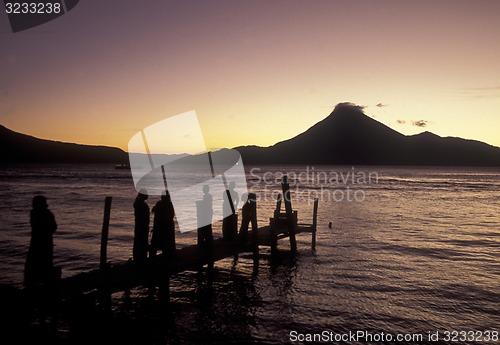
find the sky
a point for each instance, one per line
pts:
(256, 72)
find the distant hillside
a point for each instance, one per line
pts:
(20, 148)
(349, 137)
(346, 137)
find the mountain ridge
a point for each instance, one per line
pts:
(349, 137)
(346, 137)
(22, 148)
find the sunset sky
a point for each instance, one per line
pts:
(256, 72)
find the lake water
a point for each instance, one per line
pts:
(409, 251)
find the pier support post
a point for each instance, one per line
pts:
(104, 233)
(277, 210)
(274, 237)
(255, 234)
(314, 224)
(104, 293)
(289, 213)
(237, 245)
(272, 225)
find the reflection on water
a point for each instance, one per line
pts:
(420, 253)
(200, 311)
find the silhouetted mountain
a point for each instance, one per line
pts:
(349, 137)
(20, 148)
(346, 137)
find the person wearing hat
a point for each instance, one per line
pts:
(141, 228)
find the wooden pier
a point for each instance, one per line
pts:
(124, 276)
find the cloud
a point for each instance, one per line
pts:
(350, 105)
(420, 123)
(480, 92)
(400, 122)
(380, 105)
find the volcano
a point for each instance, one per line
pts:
(349, 137)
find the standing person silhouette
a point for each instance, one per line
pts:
(141, 229)
(205, 214)
(230, 221)
(40, 275)
(163, 233)
(246, 216)
(204, 210)
(39, 268)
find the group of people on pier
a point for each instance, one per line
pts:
(39, 268)
(162, 233)
(163, 230)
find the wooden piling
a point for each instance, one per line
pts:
(292, 224)
(235, 224)
(314, 224)
(274, 236)
(273, 225)
(104, 233)
(255, 232)
(104, 290)
(277, 210)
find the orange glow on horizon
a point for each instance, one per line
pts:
(253, 79)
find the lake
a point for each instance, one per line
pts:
(409, 251)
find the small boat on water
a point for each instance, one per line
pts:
(122, 166)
